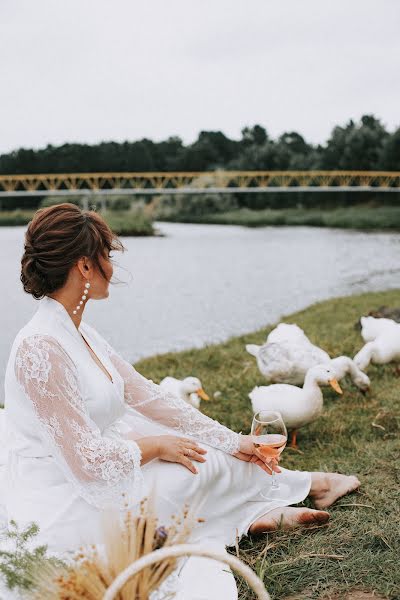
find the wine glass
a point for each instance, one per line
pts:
(271, 433)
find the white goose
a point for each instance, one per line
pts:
(382, 337)
(189, 389)
(289, 332)
(343, 366)
(298, 406)
(372, 327)
(288, 354)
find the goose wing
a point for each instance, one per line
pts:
(276, 363)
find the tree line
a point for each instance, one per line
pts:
(363, 145)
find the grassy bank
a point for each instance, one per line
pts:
(382, 217)
(360, 548)
(129, 223)
(138, 223)
(15, 217)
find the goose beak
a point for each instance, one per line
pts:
(335, 385)
(200, 392)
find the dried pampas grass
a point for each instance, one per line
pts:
(93, 569)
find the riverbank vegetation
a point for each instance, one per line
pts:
(134, 222)
(258, 210)
(130, 223)
(360, 217)
(139, 221)
(357, 434)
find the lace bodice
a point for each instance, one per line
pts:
(100, 467)
(69, 409)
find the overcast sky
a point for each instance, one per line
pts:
(92, 70)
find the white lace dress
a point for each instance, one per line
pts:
(69, 457)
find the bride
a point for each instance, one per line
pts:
(88, 431)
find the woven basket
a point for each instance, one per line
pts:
(187, 550)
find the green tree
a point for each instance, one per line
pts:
(390, 155)
(355, 146)
(365, 145)
(212, 150)
(254, 135)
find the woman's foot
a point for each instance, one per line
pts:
(288, 517)
(326, 488)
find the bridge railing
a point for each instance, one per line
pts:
(198, 182)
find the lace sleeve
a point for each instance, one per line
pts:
(153, 402)
(104, 470)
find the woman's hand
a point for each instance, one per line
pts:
(249, 453)
(180, 450)
(172, 449)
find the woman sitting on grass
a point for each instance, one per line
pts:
(67, 393)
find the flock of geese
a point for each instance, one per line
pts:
(296, 369)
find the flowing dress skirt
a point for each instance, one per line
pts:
(225, 494)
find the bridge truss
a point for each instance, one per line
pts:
(198, 182)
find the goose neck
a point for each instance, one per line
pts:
(310, 381)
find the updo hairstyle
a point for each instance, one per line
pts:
(56, 238)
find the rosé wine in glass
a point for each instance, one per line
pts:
(270, 437)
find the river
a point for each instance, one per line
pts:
(201, 284)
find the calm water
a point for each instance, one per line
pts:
(204, 283)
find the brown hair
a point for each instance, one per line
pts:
(55, 239)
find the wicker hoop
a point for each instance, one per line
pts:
(183, 550)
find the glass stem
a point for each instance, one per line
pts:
(274, 483)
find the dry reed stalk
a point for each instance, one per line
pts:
(90, 573)
(178, 534)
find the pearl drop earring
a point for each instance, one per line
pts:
(84, 296)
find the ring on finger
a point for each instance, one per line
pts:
(188, 452)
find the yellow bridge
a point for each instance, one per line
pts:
(199, 182)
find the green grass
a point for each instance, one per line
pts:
(361, 217)
(128, 223)
(365, 527)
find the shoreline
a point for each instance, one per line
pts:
(123, 223)
(356, 434)
(248, 337)
(362, 218)
(126, 223)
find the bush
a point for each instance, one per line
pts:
(15, 218)
(195, 205)
(54, 200)
(129, 223)
(111, 202)
(118, 202)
